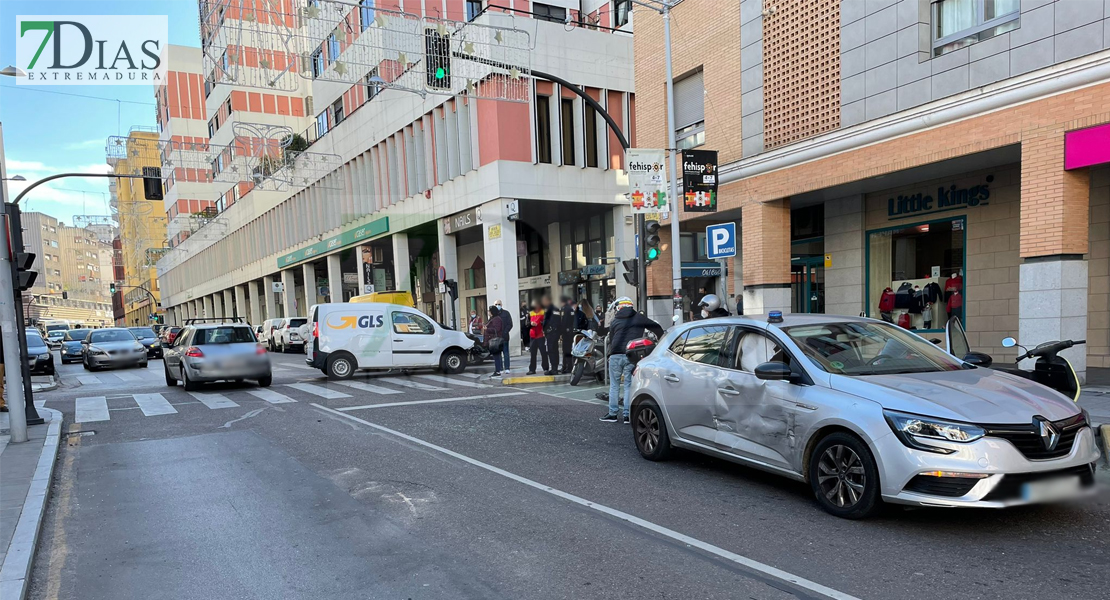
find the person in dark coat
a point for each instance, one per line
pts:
(627, 325)
(495, 331)
(551, 322)
(566, 332)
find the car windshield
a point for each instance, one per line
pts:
(141, 332)
(34, 339)
(223, 335)
(111, 335)
(294, 323)
(863, 348)
(54, 335)
(77, 335)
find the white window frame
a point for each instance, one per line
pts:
(973, 31)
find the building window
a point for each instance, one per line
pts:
(915, 273)
(546, 12)
(543, 129)
(333, 48)
(473, 9)
(959, 23)
(318, 63)
(621, 10)
(689, 111)
(532, 258)
(53, 243)
(337, 110)
(591, 136)
(373, 85)
(228, 105)
(212, 127)
(568, 130)
(321, 124)
(366, 13)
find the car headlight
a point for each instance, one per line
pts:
(156, 345)
(912, 429)
(97, 352)
(44, 356)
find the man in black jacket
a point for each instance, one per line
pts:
(566, 332)
(627, 325)
(551, 323)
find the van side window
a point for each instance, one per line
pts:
(410, 323)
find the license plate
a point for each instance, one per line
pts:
(1048, 490)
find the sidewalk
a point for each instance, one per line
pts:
(25, 473)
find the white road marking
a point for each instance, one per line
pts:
(366, 387)
(154, 404)
(214, 400)
(416, 385)
(316, 390)
(472, 375)
(253, 413)
(299, 366)
(743, 561)
(445, 380)
(270, 396)
(437, 400)
(88, 379)
(129, 377)
(91, 409)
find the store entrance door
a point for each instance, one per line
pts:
(807, 284)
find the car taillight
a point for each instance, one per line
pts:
(642, 343)
(316, 329)
(259, 349)
(194, 352)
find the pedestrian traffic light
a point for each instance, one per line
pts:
(65, 295)
(24, 261)
(452, 289)
(631, 271)
(152, 183)
(437, 59)
(651, 242)
(112, 288)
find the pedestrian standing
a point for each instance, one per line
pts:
(495, 339)
(525, 325)
(476, 326)
(551, 322)
(566, 332)
(739, 304)
(506, 327)
(627, 325)
(537, 344)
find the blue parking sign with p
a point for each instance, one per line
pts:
(720, 240)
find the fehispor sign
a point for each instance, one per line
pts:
(699, 180)
(647, 179)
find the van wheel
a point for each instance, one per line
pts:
(452, 362)
(340, 366)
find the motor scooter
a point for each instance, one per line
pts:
(588, 350)
(478, 353)
(1050, 370)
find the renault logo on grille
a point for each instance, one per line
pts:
(1048, 432)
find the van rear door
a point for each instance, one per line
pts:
(361, 329)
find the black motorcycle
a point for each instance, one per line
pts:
(477, 353)
(1050, 370)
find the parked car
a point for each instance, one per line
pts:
(267, 336)
(352, 336)
(73, 347)
(168, 334)
(207, 352)
(39, 357)
(289, 335)
(54, 339)
(863, 411)
(113, 347)
(149, 340)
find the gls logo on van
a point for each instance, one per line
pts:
(352, 321)
(91, 49)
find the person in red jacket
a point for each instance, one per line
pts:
(537, 343)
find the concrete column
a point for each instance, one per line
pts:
(241, 303)
(449, 260)
(268, 297)
(844, 240)
(208, 312)
(309, 271)
(256, 317)
(288, 297)
(766, 242)
(229, 303)
(624, 247)
(1052, 305)
(402, 263)
(499, 237)
(660, 304)
(218, 305)
(555, 258)
(335, 278)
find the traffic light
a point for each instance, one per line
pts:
(631, 271)
(152, 183)
(651, 242)
(112, 288)
(65, 295)
(437, 59)
(23, 263)
(452, 289)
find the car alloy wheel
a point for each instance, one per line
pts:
(841, 476)
(647, 430)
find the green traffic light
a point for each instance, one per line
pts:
(441, 73)
(653, 253)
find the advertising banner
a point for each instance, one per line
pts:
(647, 179)
(699, 180)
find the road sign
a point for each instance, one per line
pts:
(441, 274)
(279, 287)
(721, 240)
(442, 287)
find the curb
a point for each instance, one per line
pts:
(16, 571)
(53, 385)
(529, 379)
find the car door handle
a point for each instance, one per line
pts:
(398, 340)
(671, 378)
(729, 391)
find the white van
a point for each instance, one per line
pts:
(373, 335)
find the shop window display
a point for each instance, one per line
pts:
(915, 273)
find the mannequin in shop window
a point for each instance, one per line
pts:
(953, 296)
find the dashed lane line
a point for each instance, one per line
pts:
(435, 401)
(87, 410)
(154, 404)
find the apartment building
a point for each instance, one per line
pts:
(513, 198)
(72, 280)
(872, 147)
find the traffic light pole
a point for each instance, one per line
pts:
(676, 250)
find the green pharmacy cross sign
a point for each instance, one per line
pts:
(351, 236)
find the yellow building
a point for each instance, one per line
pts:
(142, 223)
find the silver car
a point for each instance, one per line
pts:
(863, 411)
(113, 347)
(206, 352)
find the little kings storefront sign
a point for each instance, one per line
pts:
(357, 234)
(947, 199)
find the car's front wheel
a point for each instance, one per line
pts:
(650, 431)
(452, 362)
(844, 477)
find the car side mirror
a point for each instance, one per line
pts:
(774, 371)
(979, 359)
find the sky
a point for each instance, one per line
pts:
(47, 130)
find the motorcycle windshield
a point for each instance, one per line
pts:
(582, 348)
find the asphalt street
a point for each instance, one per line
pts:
(425, 486)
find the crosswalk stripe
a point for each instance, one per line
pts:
(416, 385)
(316, 390)
(91, 409)
(300, 366)
(129, 377)
(88, 379)
(214, 400)
(366, 387)
(270, 396)
(435, 401)
(453, 381)
(154, 404)
(471, 375)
